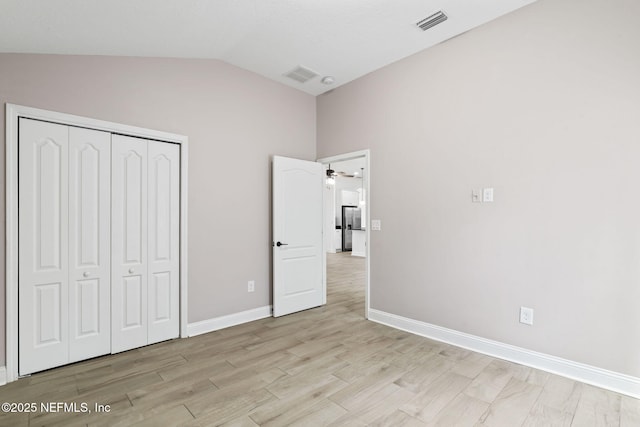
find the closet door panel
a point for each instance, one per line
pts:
(164, 253)
(89, 243)
(129, 242)
(43, 226)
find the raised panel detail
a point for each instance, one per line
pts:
(132, 302)
(88, 180)
(133, 208)
(89, 243)
(129, 245)
(88, 308)
(164, 254)
(48, 193)
(48, 321)
(162, 210)
(161, 283)
(43, 247)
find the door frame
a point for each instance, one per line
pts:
(366, 154)
(13, 113)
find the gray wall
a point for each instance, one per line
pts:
(235, 121)
(543, 105)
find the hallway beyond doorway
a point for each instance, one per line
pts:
(346, 281)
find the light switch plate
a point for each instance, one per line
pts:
(376, 224)
(476, 196)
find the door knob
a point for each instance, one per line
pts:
(281, 244)
(131, 271)
(85, 274)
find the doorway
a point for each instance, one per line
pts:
(347, 185)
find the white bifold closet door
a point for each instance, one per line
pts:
(99, 243)
(64, 221)
(89, 243)
(145, 242)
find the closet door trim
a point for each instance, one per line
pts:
(13, 113)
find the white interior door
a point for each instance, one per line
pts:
(128, 243)
(89, 243)
(164, 235)
(43, 293)
(298, 262)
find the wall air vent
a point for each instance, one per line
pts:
(301, 74)
(432, 21)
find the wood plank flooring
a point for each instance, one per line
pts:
(325, 366)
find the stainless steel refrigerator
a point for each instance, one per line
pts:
(351, 220)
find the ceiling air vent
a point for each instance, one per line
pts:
(432, 21)
(301, 74)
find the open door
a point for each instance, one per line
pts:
(298, 262)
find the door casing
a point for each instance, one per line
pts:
(13, 113)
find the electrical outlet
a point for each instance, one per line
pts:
(487, 195)
(526, 315)
(251, 286)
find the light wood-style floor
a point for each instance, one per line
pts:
(325, 366)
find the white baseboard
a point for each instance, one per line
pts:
(222, 322)
(3, 375)
(614, 381)
(360, 254)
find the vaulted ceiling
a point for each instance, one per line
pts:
(337, 38)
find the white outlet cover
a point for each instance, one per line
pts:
(376, 224)
(487, 195)
(251, 286)
(526, 315)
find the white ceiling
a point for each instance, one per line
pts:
(344, 39)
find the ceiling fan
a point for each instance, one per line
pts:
(332, 173)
